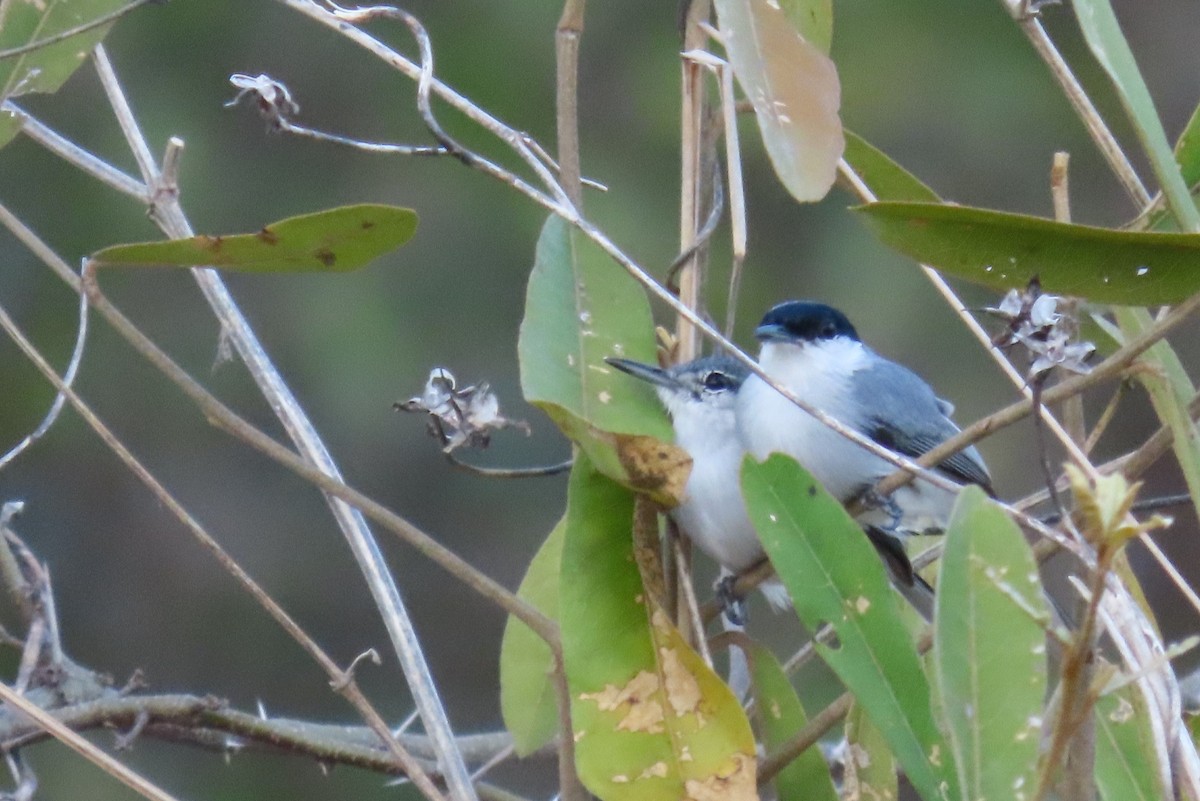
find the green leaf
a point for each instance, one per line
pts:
(887, 179)
(1187, 150)
(651, 720)
(1171, 390)
(527, 698)
(1004, 251)
(1126, 767)
(334, 240)
(795, 92)
(813, 19)
(47, 68)
(1108, 45)
(834, 576)
(782, 717)
(870, 766)
(579, 308)
(989, 649)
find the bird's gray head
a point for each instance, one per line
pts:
(709, 383)
(803, 321)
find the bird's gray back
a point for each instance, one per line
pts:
(900, 411)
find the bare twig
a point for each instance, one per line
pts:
(74, 154)
(366, 551)
(511, 472)
(1099, 131)
(347, 688)
(59, 400)
(566, 52)
(131, 779)
(696, 151)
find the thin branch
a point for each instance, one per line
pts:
(511, 472)
(130, 778)
(77, 156)
(100, 21)
(696, 151)
(405, 642)
(343, 684)
(224, 418)
(386, 148)
(566, 105)
(1096, 127)
(59, 399)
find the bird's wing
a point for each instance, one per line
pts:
(900, 411)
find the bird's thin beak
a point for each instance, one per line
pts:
(771, 332)
(646, 372)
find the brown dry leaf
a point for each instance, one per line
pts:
(655, 467)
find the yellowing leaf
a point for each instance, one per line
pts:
(651, 720)
(795, 92)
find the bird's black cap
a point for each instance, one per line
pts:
(804, 321)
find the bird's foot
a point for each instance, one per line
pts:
(733, 606)
(873, 500)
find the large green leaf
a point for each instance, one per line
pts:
(794, 89)
(834, 576)
(989, 650)
(334, 240)
(782, 716)
(1108, 45)
(580, 308)
(887, 179)
(1004, 251)
(45, 69)
(1126, 768)
(527, 698)
(651, 720)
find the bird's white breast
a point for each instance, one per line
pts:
(819, 374)
(713, 513)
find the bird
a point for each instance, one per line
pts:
(813, 351)
(700, 397)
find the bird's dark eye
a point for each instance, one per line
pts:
(716, 380)
(828, 330)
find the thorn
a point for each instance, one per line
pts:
(348, 675)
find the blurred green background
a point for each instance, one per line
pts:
(951, 90)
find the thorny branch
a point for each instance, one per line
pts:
(80, 699)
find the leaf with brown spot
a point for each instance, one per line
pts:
(651, 720)
(340, 240)
(581, 307)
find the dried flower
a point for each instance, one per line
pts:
(274, 100)
(1034, 321)
(459, 417)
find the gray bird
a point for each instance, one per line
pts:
(813, 351)
(700, 397)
